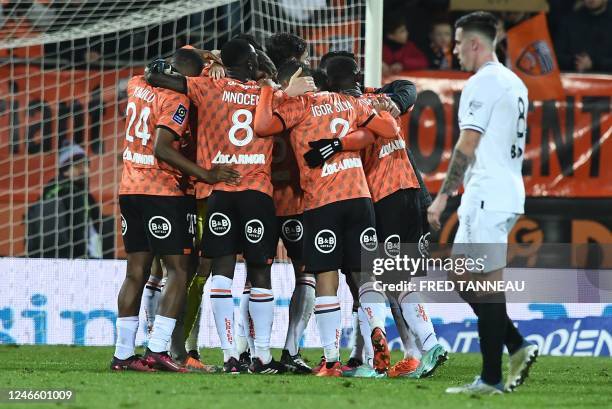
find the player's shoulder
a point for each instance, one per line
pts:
(237, 86)
(494, 76)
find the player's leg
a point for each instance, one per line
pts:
(244, 328)
(171, 229)
(357, 341)
(139, 259)
(152, 293)
(361, 245)
(302, 300)
(259, 241)
(220, 242)
(411, 361)
(323, 243)
(398, 217)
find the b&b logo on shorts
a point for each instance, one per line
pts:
(325, 241)
(160, 227)
(180, 114)
(368, 239)
(392, 245)
(254, 230)
(292, 230)
(123, 226)
(219, 224)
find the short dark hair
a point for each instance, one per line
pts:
(339, 70)
(392, 22)
(289, 68)
(250, 39)
(282, 46)
(188, 62)
(236, 52)
(332, 54)
(482, 22)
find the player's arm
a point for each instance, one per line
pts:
(463, 156)
(402, 92)
(266, 123)
(271, 121)
(165, 152)
(323, 149)
(174, 82)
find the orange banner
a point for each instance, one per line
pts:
(533, 58)
(568, 149)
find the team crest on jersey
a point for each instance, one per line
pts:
(123, 226)
(219, 224)
(392, 245)
(325, 241)
(368, 239)
(180, 114)
(254, 230)
(159, 227)
(292, 230)
(475, 105)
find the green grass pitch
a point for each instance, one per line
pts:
(555, 382)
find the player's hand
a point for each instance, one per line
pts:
(322, 150)
(216, 71)
(300, 85)
(434, 211)
(158, 66)
(583, 62)
(385, 103)
(221, 173)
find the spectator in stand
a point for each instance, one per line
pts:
(440, 50)
(399, 53)
(586, 44)
(65, 221)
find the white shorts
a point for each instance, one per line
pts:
(483, 236)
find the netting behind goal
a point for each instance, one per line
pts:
(64, 67)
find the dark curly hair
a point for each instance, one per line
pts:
(282, 46)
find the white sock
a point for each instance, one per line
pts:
(150, 300)
(366, 332)
(162, 331)
(417, 319)
(407, 337)
(223, 311)
(261, 310)
(300, 310)
(329, 322)
(126, 337)
(244, 340)
(356, 337)
(191, 344)
(374, 305)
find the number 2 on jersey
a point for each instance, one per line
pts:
(141, 129)
(334, 125)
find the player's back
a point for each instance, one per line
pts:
(226, 109)
(386, 164)
(494, 102)
(328, 115)
(148, 108)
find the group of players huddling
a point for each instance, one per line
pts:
(227, 151)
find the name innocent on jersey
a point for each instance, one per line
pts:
(329, 109)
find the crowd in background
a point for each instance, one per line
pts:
(418, 34)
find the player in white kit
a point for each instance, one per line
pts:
(488, 158)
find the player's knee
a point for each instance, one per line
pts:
(260, 275)
(204, 267)
(223, 266)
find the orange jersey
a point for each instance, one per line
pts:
(226, 108)
(386, 165)
(327, 115)
(287, 194)
(147, 109)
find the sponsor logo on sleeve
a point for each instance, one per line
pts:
(180, 114)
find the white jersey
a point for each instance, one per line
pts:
(494, 103)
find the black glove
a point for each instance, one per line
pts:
(322, 150)
(159, 66)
